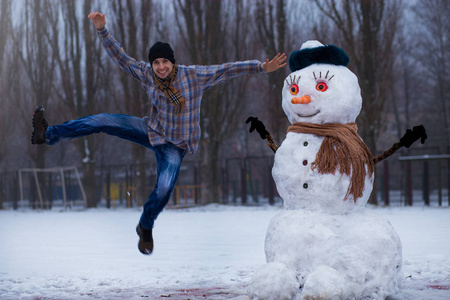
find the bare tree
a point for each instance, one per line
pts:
(78, 60)
(38, 26)
(432, 50)
(408, 85)
(36, 30)
(271, 27)
(5, 24)
(368, 29)
(134, 25)
(205, 30)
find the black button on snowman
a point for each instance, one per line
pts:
(324, 244)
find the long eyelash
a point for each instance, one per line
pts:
(320, 75)
(292, 80)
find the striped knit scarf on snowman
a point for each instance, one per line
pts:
(165, 85)
(342, 150)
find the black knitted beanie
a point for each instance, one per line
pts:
(161, 50)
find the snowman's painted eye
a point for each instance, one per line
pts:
(321, 87)
(294, 89)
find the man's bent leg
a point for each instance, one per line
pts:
(168, 159)
(126, 127)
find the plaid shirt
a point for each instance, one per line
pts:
(182, 130)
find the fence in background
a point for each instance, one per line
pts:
(434, 178)
(249, 180)
(414, 180)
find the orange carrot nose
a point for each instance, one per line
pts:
(301, 100)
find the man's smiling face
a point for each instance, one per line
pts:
(162, 67)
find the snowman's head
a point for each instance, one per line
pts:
(321, 89)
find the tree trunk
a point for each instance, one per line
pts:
(89, 184)
(38, 62)
(271, 24)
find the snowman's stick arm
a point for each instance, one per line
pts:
(388, 152)
(271, 144)
(263, 133)
(418, 132)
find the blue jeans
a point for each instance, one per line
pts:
(168, 156)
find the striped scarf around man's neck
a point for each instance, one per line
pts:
(165, 85)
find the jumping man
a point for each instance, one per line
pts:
(172, 128)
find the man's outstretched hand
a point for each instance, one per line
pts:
(278, 62)
(98, 20)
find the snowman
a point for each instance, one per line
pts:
(323, 244)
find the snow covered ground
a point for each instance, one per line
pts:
(200, 253)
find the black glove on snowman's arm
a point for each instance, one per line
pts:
(258, 125)
(261, 129)
(418, 132)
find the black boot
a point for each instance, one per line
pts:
(145, 244)
(40, 126)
